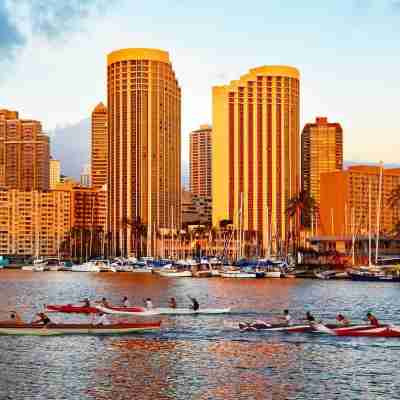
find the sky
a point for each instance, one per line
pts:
(53, 58)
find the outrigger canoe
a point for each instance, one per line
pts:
(166, 311)
(332, 329)
(362, 331)
(76, 329)
(79, 309)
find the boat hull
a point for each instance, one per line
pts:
(77, 329)
(178, 274)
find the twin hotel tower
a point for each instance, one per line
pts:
(250, 163)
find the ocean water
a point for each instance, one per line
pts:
(200, 357)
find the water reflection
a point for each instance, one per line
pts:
(200, 357)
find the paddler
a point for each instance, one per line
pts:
(42, 318)
(15, 318)
(102, 319)
(372, 319)
(310, 318)
(342, 320)
(287, 317)
(148, 303)
(172, 302)
(104, 303)
(86, 302)
(125, 302)
(195, 304)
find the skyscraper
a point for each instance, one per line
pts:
(256, 150)
(55, 173)
(24, 153)
(321, 151)
(200, 161)
(99, 146)
(144, 126)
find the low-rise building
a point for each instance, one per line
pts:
(196, 210)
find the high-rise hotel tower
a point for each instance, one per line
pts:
(144, 128)
(200, 161)
(99, 147)
(321, 151)
(256, 150)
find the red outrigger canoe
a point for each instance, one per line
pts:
(10, 328)
(78, 309)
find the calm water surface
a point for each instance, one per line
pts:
(200, 357)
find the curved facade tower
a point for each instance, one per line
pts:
(144, 127)
(256, 150)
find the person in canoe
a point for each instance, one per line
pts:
(372, 319)
(86, 302)
(42, 318)
(310, 318)
(148, 303)
(125, 302)
(172, 302)
(15, 318)
(104, 302)
(342, 320)
(102, 319)
(195, 304)
(287, 317)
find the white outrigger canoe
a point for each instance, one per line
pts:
(189, 311)
(76, 329)
(167, 311)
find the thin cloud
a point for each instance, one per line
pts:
(10, 37)
(51, 19)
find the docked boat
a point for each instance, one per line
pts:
(7, 328)
(86, 267)
(142, 269)
(238, 273)
(372, 274)
(325, 275)
(170, 272)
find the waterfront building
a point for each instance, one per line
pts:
(144, 127)
(200, 161)
(345, 201)
(321, 151)
(33, 223)
(85, 176)
(24, 153)
(196, 210)
(55, 173)
(88, 206)
(99, 146)
(255, 150)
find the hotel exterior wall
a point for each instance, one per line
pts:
(200, 161)
(322, 151)
(144, 126)
(99, 146)
(256, 148)
(345, 195)
(33, 222)
(55, 173)
(24, 153)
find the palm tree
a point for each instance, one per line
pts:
(298, 209)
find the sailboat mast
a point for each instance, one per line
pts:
(369, 225)
(378, 213)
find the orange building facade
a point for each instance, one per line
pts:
(24, 153)
(33, 223)
(345, 201)
(99, 147)
(256, 150)
(144, 127)
(200, 161)
(321, 151)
